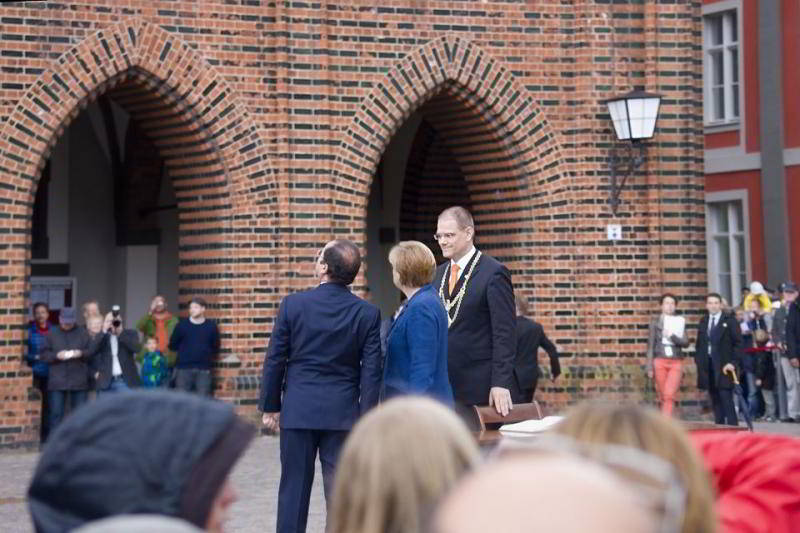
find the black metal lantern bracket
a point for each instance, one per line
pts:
(623, 162)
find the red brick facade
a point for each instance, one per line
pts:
(272, 119)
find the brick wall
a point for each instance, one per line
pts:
(277, 114)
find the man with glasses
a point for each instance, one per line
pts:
(477, 293)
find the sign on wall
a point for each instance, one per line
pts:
(57, 292)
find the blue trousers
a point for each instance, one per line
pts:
(299, 449)
(115, 385)
(58, 401)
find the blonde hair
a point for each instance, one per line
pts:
(652, 432)
(399, 460)
(414, 263)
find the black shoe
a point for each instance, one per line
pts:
(787, 420)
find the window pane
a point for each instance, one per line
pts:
(734, 55)
(733, 27)
(735, 96)
(738, 215)
(724, 281)
(742, 256)
(719, 215)
(714, 25)
(718, 101)
(717, 67)
(722, 245)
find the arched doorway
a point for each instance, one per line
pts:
(464, 132)
(190, 134)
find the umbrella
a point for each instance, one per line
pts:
(739, 398)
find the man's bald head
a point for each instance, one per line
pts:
(547, 493)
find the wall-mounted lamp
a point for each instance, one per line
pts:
(634, 116)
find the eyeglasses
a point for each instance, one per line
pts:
(656, 481)
(444, 236)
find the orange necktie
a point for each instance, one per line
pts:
(453, 276)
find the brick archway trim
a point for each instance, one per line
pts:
(169, 67)
(219, 150)
(510, 112)
(532, 192)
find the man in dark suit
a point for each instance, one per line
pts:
(477, 293)
(322, 371)
(718, 352)
(113, 363)
(530, 337)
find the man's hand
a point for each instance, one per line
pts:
(795, 362)
(97, 375)
(153, 305)
(107, 322)
(63, 355)
(500, 398)
(272, 421)
(728, 369)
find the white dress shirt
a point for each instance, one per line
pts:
(116, 368)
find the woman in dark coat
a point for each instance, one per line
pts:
(416, 351)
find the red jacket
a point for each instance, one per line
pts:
(757, 478)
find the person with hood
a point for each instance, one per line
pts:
(758, 294)
(120, 456)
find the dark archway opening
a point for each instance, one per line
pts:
(425, 168)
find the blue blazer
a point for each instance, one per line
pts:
(416, 354)
(323, 363)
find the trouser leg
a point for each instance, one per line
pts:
(330, 445)
(57, 399)
(184, 379)
(770, 405)
(203, 383)
(792, 376)
(780, 384)
(298, 452)
(727, 407)
(752, 394)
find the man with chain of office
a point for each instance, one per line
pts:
(477, 293)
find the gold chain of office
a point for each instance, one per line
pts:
(456, 301)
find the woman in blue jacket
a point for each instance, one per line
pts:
(416, 353)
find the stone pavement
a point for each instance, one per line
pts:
(255, 479)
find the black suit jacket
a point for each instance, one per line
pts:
(726, 347)
(323, 364)
(127, 348)
(481, 342)
(793, 331)
(531, 337)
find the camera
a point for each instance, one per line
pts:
(116, 321)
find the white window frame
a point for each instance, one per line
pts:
(739, 195)
(728, 122)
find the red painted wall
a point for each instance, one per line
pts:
(793, 192)
(722, 140)
(790, 35)
(748, 49)
(750, 180)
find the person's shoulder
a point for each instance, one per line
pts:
(492, 266)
